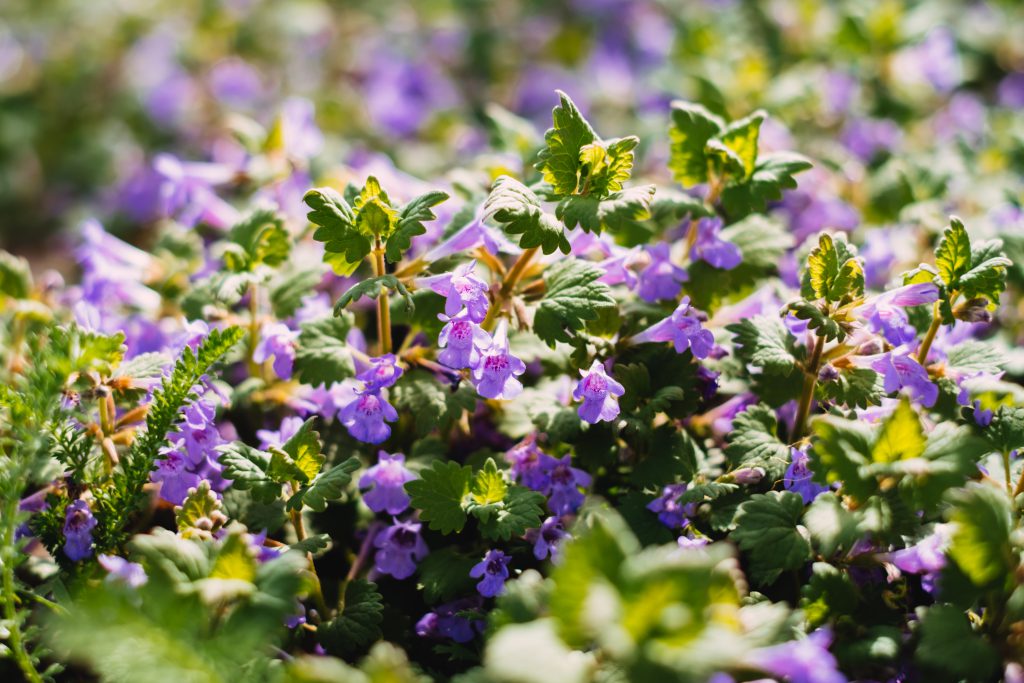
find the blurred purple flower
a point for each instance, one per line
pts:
(800, 661)
(670, 511)
(799, 478)
(547, 537)
(565, 497)
(447, 621)
(383, 372)
(289, 427)
(78, 526)
(120, 570)
(387, 479)
(661, 279)
(1011, 91)
(277, 341)
(711, 248)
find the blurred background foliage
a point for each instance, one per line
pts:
(90, 91)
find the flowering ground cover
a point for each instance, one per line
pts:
(583, 341)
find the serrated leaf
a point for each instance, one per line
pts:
(833, 272)
(832, 526)
(753, 441)
(951, 649)
(981, 539)
(854, 388)
(321, 354)
(438, 495)
(235, 560)
(371, 288)
(901, 437)
(246, 468)
(433, 404)
(344, 246)
(765, 342)
(286, 293)
(410, 222)
(741, 137)
(359, 623)
(488, 484)
(842, 453)
(299, 459)
(571, 298)
(606, 165)
(766, 529)
(817, 320)
(953, 255)
(692, 127)
(559, 162)
(327, 486)
(1006, 431)
(773, 174)
(520, 510)
(445, 575)
(518, 209)
(258, 239)
(613, 212)
(314, 545)
(973, 356)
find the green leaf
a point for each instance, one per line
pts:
(773, 174)
(951, 649)
(488, 484)
(314, 545)
(432, 404)
(375, 216)
(842, 453)
(854, 388)
(766, 529)
(371, 288)
(981, 540)
(359, 623)
(606, 165)
(832, 526)
(258, 239)
(247, 467)
(286, 294)
(901, 438)
(953, 255)
(986, 280)
(520, 510)
(303, 448)
(613, 212)
(560, 160)
(572, 297)
(821, 323)
(833, 272)
(344, 246)
(445, 575)
(753, 441)
(236, 559)
(1006, 432)
(411, 218)
(974, 356)
(327, 486)
(15, 276)
(518, 209)
(692, 127)
(438, 495)
(200, 513)
(321, 354)
(766, 343)
(740, 137)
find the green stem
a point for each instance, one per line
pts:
(508, 285)
(300, 535)
(929, 337)
(15, 638)
(1006, 472)
(383, 305)
(254, 331)
(810, 379)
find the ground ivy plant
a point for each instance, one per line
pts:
(569, 422)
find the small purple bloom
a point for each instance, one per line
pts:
(865, 138)
(800, 661)
(460, 288)
(528, 464)
(670, 511)
(447, 621)
(493, 571)
(399, 548)
(387, 479)
(682, 328)
(599, 394)
(382, 373)
(692, 542)
(546, 538)
(462, 342)
(277, 341)
(799, 478)
(495, 375)
(78, 526)
(566, 480)
(269, 437)
(475, 234)
(900, 371)
(711, 248)
(175, 478)
(885, 312)
(122, 571)
(1011, 91)
(367, 415)
(927, 557)
(661, 279)
(982, 416)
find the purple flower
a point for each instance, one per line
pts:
(495, 375)
(387, 479)
(900, 371)
(1011, 91)
(528, 464)
(475, 234)
(175, 478)
(365, 417)
(661, 279)
(885, 312)
(186, 192)
(302, 138)
(277, 341)
(939, 60)
(493, 571)
(711, 248)
(546, 538)
(399, 548)
(800, 661)
(462, 341)
(460, 288)
(447, 621)
(599, 394)
(798, 477)
(122, 571)
(566, 497)
(927, 556)
(618, 269)
(982, 416)
(682, 328)
(692, 542)
(865, 138)
(78, 526)
(382, 373)
(670, 511)
(269, 437)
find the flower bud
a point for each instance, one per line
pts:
(828, 373)
(748, 475)
(973, 311)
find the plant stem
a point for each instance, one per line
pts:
(300, 535)
(383, 306)
(1006, 472)
(254, 330)
(15, 639)
(512, 278)
(1019, 489)
(929, 337)
(810, 378)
